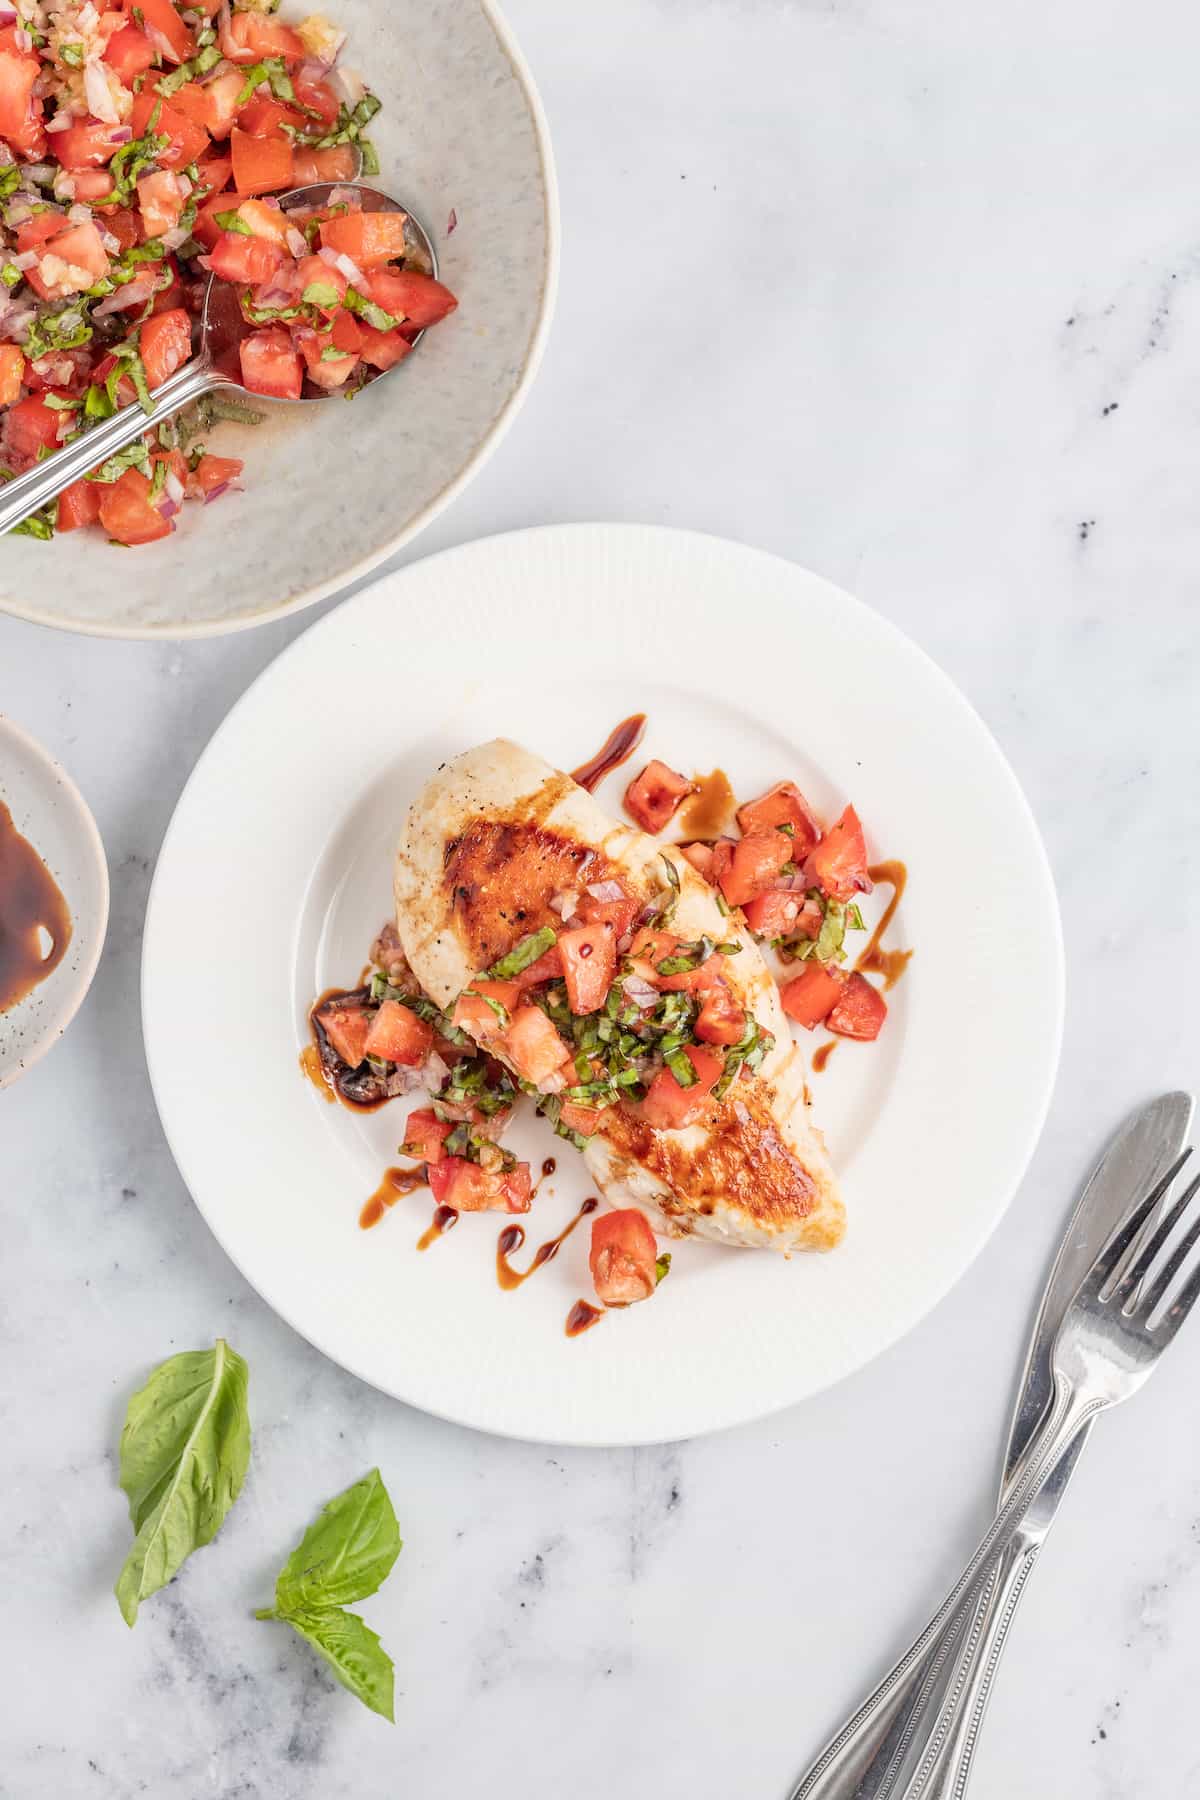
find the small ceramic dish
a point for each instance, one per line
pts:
(330, 492)
(50, 813)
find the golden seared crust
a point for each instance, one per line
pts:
(734, 1161)
(499, 877)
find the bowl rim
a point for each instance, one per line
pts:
(91, 843)
(491, 438)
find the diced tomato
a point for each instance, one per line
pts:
(213, 173)
(425, 1135)
(251, 37)
(124, 224)
(179, 44)
(422, 300)
(314, 271)
(532, 1045)
(12, 374)
(583, 1119)
(754, 865)
(466, 1187)
(262, 115)
(654, 797)
(319, 97)
(130, 53)
(860, 1010)
(30, 426)
(245, 260)
(165, 344)
(195, 103)
(265, 221)
(79, 505)
(270, 362)
(82, 249)
(369, 239)
(669, 1107)
(346, 1027)
(324, 371)
(206, 231)
(337, 162)
(783, 804)
(650, 949)
(160, 202)
(126, 511)
(398, 1035)
(383, 349)
(20, 113)
(838, 865)
(87, 144)
(623, 1257)
(347, 333)
(261, 165)
(91, 185)
(211, 475)
(186, 140)
(472, 1012)
(222, 95)
(810, 997)
(775, 913)
(589, 960)
(620, 914)
(721, 1020)
(701, 858)
(548, 967)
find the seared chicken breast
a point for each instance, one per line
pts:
(489, 850)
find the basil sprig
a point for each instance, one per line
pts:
(184, 1453)
(345, 1555)
(523, 955)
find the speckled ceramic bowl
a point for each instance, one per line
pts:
(51, 814)
(332, 491)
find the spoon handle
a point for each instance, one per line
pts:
(47, 479)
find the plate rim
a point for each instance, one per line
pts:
(728, 1417)
(479, 457)
(90, 838)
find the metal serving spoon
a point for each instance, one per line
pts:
(212, 366)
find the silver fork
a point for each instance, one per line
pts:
(1106, 1346)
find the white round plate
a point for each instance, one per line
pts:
(331, 491)
(276, 874)
(49, 811)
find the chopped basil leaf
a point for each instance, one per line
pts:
(854, 918)
(524, 954)
(132, 160)
(61, 402)
(72, 55)
(500, 1011)
(330, 354)
(134, 456)
(272, 70)
(662, 1267)
(681, 1068)
(229, 221)
(367, 309)
(10, 275)
(320, 293)
(64, 329)
(10, 181)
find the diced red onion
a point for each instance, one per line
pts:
(134, 293)
(639, 991)
(23, 38)
(111, 244)
(346, 196)
(174, 487)
(25, 260)
(160, 42)
(79, 214)
(7, 17)
(62, 121)
(349, 268)
(214, 493)
(566, 904)
(38, 173)
(297, 243)
(350, 85)
(172, 239)
(218, 69)
(97, 91)
(553, 1084)
(435, 1068)
(606, 890)
(168, 507)
(272, 295)
(269, 200)
(452, 223)
(121, 134)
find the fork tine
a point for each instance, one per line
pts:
(1181, 1306)
(1140, 1267)
(1109, 1259)
(1166, 1275)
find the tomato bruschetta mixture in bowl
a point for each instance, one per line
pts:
(144, 148)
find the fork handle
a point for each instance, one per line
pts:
(839, 1771)
(47, 479)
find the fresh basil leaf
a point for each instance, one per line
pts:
(10, 275)
(854, 918)
(72, 55)
(524, 954)
(10, 180)
(370, 164)
(374, 315)
(185, 1448)
(500, 1011)
(229, 221)
(354, 1653)
(320, 293)
(662, 1267)
(134, 456)
(681, 1068)
(346, 1554)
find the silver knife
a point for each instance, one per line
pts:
(882, 1748)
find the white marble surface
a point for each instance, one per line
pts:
(909, 294)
